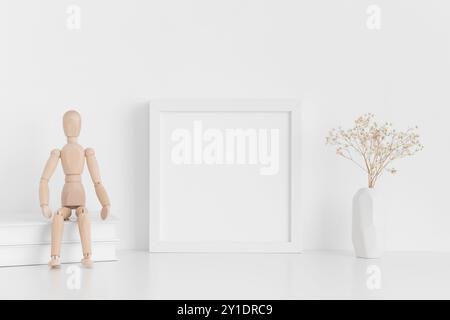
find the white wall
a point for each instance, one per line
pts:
(128, 52)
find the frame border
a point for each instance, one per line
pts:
(291, 106)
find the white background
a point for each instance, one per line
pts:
(225, 203)
(128, 52)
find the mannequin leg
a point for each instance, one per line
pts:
(84, 226)
(57, 233)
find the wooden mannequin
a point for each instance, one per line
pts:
(73, 157)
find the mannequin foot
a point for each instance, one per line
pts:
(87, 262)
(54, 262)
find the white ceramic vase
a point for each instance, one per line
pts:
(368, 225)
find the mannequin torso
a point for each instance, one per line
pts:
(72, 161)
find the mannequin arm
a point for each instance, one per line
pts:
(99, 188)
(49, 169)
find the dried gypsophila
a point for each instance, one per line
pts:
(373, 147)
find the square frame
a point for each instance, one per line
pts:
(292, 107)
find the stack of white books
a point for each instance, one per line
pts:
(26, 240)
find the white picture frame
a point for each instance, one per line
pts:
(167, 222)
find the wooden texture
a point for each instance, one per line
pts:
(73, 158)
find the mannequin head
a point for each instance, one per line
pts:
(72, 124)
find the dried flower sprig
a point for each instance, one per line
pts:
(374, 147)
